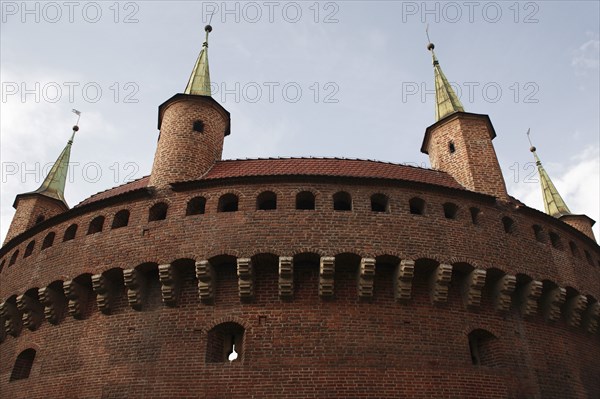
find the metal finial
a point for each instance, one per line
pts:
(430, 46)
(532, 147)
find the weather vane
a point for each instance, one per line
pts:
(78, 113)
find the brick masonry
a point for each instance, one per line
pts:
(461, 145)
(304, 345)
(28, 209)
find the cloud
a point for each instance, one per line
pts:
(587, 57)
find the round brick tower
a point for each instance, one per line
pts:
(297, 278)
(192, 129)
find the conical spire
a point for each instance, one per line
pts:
(199, 83)
(553, 202)
(446, 100)
(54, 184)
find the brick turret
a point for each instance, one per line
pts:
(460, 143)
(192, 129)
(45, 202)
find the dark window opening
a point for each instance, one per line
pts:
(555, 240)
(417, 206)
(225, 343)
(574, 249)
(305, 200)
(23, 365)
(29, 249)
(266, 201)
(482, 345)
(158, 212)
(475, 212)
(121, 219)
(508, 224)
(2, 265)
(342, 201)
(40, 219)
(198, 126)
(48, 240)
(196, 206)
(588, 257)
(539, 232)
(13, 258)
(451, 147)
(450, 210)
(96, 225)
(379, 203)
(228, 203)
(70, 232)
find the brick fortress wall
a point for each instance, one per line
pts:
(381, 304)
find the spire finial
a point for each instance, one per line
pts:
(553, 202)
(199, 83)
(447, 101)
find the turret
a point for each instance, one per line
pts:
(460, 143)
(48, 200)
(192, 129)
(555, 205)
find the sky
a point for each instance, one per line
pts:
(333, 78)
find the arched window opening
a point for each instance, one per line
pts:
(305, 200)
(2, 265)
(417, 206)
(450, 210)
(225, 343)
(574, 249)
(538, 232)
(380, 203)
(23, 365)
(70, 233)
(96, 225)
(342, 201)
(509, 225)
(228, 203)
(13, 258)
(475, 213)
(158, 212)
(555, 240)
(40, 219)
(483, 348)
(198, 126)
(588, 257)
(121, 219)
(29, 249)
(196, 206)
(48, 240)
(266, 201)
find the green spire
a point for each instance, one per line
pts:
(446, 100)
(54, 184)
(553, 202)
(199, 83)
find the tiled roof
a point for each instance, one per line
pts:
(340, 167)
(327, 167)
(112, 192)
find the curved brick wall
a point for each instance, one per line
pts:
(136, 320)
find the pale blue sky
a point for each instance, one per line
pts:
(529, 65)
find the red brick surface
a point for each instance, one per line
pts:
(473, 163)
(307, 346)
